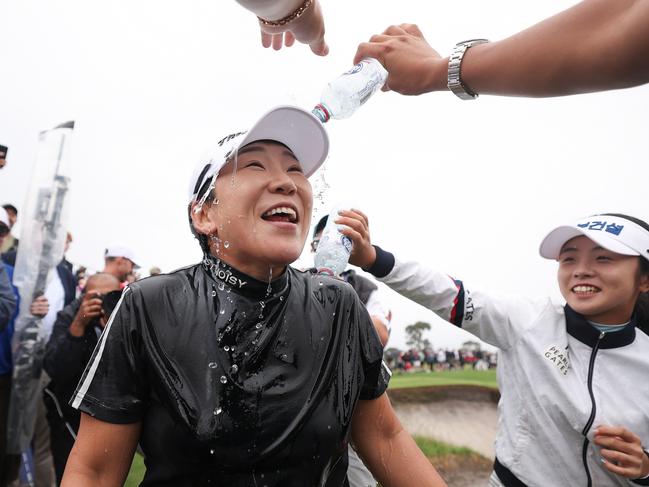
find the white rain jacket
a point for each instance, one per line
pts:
(559, 377)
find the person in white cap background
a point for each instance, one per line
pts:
(119, 260)
(242, 370)
(572, 377)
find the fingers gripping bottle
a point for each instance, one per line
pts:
(334, 248)
(344, 95)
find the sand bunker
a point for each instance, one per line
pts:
(458, 415)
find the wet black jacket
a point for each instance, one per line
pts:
(237, 382)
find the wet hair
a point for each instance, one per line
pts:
(203, 240)
(10, 207)
(641, 309)
(320, 226)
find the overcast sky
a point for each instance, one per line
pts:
(467, 187)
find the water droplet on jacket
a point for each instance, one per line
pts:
(212, 451)
(223, 379)
(226, 348)
(222, 312)
(212, 365)
(281, 298)
(258, 326)
(217, 411)
(213, 293)
(228, 328)
(234, 369)
(221, 286)
(262, 304)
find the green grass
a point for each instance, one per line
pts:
(485, 378)
(136, 474)
(433, 448)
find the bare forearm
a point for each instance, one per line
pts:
(400, 462)
(388, 450)
(595, 45)
(102, 454)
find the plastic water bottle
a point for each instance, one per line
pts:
(342, 97)
(333, 250)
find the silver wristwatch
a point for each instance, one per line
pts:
(455, 63)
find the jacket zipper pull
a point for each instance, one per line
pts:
(601, 334)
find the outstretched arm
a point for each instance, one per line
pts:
(387, 449)
(594, 46)
(307, 27)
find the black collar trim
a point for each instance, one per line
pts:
(579, 328)
(228, 277)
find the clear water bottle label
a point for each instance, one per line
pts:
(357, 68)
(347, 243)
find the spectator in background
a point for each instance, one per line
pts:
(65, 261)
(119, 261)
(9, 464)
(80, 277)
(10, 242)
(3, 155)
(7, 298)
(69, 349)
(60, 291)
(154, 271)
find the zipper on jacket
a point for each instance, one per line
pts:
(591, 419)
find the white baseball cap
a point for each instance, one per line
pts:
(297, 129)
(616, 233)
(117, 250)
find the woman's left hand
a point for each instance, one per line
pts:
(622, 452)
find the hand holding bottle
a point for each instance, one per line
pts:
(355, 225)
(414, 67)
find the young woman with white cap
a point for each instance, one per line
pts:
(573, 378)
(242, 371)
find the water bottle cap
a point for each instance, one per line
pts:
(325, 271)
(322, 112)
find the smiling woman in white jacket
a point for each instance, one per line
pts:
(574, 407)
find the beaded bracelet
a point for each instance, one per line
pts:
(289, 18)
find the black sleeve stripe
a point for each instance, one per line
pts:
(383, 264)
(457, 313)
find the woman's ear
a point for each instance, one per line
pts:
(644, 283)
(203, 219)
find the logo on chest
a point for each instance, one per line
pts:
(559, 357)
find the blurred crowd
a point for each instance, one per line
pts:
(438, 360)
(73, 310)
